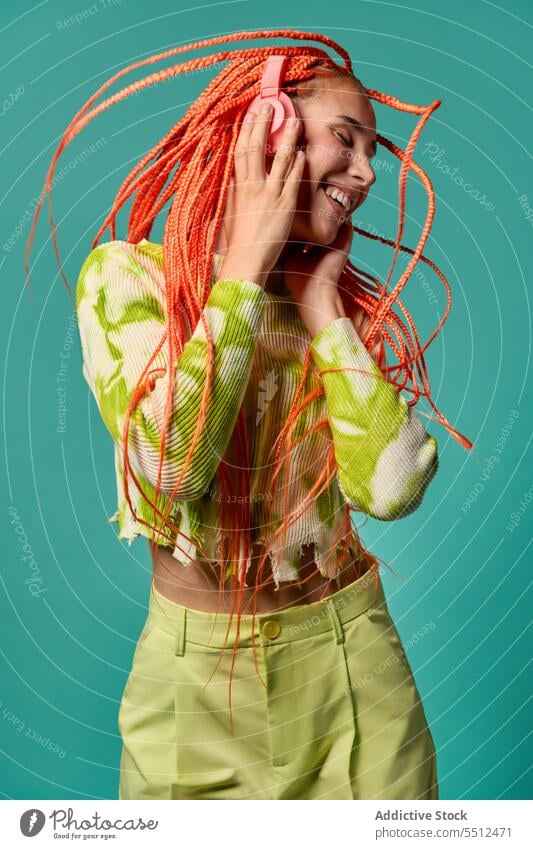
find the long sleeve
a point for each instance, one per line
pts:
(386, 459)
(121, 308)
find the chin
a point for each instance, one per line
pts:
(318, 234)
(325, 235)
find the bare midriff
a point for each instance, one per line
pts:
(197, 585)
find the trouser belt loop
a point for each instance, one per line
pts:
(180, 635)
(339, 633)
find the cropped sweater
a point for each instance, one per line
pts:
(385, 457)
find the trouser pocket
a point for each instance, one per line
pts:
(219, 756)
(396, 754)
(146, 719)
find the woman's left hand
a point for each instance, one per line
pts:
(312, 277)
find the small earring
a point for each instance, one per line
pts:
(306, 248)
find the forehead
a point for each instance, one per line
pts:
(340, 97)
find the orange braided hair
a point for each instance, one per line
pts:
(203, 144)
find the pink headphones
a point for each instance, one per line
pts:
(283, 110)
(270, 93)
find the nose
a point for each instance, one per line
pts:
(361, 170)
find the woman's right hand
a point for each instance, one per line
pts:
(260, 207)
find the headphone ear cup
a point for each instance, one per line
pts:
(286, 110)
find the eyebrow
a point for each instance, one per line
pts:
(353, 122)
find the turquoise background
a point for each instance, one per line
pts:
(461, 559)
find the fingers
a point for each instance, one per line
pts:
(294, 177)
(286, 161)
(257, 145)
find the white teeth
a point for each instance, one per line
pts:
(339, 196)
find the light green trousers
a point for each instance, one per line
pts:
(341, 717)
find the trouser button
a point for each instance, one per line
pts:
(271, 629)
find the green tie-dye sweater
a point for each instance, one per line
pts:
(385, 457)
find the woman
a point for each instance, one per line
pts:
(249, 419)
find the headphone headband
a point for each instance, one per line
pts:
(272, 75)
(271, 93)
